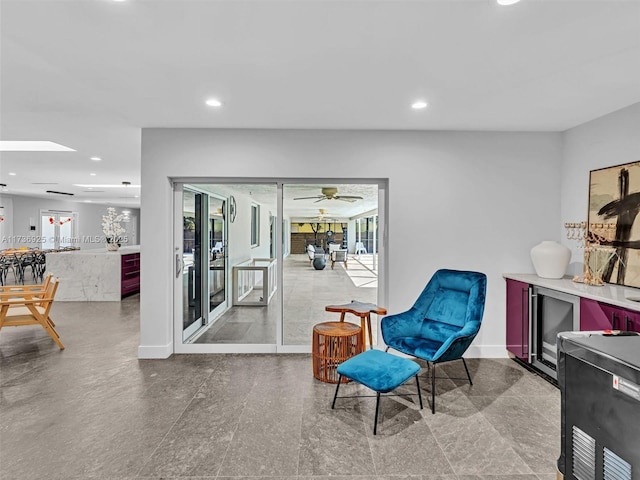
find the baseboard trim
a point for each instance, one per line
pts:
(165, 351)
(486, 351)
(155, 351)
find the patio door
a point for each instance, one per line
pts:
(218, 249)
(193, 245)
(244, 280)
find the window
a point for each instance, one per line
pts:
(255, 225)
(58, 229)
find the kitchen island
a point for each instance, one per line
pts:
(96, 275)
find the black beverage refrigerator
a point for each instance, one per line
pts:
(599, 379)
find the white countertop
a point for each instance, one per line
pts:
(125, 250)
(608, 293)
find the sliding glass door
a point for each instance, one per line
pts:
(192, 245)
(247, 281)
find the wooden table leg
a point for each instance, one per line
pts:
(370, 333)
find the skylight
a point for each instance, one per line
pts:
(32, 146)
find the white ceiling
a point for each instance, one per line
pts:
(89, 74)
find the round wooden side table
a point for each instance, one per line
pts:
(333, 343)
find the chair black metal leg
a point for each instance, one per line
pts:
(336, 394)
(433, 389)
(465, 367)
(419, 394)
(375, 422)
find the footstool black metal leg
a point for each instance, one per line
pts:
(336, 394)
(419, 394)
(465, 367)
(375, 423)
(433, 389)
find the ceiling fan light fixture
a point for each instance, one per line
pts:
(507, 2)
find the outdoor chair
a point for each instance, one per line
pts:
(339, 256)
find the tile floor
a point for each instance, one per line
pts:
(94, 411)
(306, 292)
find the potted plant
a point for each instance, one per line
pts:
(112, 229)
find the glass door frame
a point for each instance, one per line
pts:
(194, 327)
(278, 346)
(222, 307)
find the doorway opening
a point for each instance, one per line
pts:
(247, 282)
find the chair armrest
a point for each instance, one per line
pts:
(18, 293)
(389, 324)
(24, 301)
(456, 344)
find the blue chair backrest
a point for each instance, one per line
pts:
(454, 298)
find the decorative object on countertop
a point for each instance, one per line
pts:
(112, 229)
(595, 239)
(550, 259)
(614, 199)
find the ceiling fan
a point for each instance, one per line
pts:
(323, 214)
(331, 193)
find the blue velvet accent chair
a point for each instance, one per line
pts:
(442, 322)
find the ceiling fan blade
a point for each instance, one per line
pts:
(347, 198)
(321, 197)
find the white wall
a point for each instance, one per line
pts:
(606, 141)
(6, 224)
(89, 219)
(462, 200)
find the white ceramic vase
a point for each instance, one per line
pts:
(550, 259)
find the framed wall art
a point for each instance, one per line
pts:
(614, 203)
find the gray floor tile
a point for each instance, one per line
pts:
(533, 436)
(469, 441)
(267, 440)
(334, 442)
(94, 411)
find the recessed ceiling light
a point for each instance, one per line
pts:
(32, 146)
(214, 102)
(13, 174)
(507, 2)
(419, 105)
(95, 159)
(92, 174)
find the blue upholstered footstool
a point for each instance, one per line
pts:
(380, 371)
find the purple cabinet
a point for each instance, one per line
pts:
(130, 279)
(518, 319)
(593, 316)
(601, 316)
